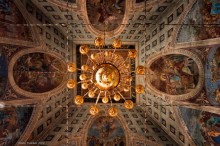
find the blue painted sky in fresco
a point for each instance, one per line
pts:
(210, 85)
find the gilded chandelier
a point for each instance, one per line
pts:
(106, 75)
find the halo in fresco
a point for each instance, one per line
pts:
(174, 74)
(106, 131)
(3, 72)
(38, 72)
(212, 80)
(105, 15)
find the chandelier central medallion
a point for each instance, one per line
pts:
(105, 76)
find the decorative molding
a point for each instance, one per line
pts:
(187, 53)
(96, 32)
(22, 92)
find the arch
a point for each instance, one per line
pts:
(187, 54)
(102, 114)
(29, 93)
(111, 33)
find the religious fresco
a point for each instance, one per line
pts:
(106, 131)
(212, 80)
(174, 74)
(13, 121)
(105, 15)
(38, 72)
(203, 12)
(203, 127)
(3, 72)
(10, 17)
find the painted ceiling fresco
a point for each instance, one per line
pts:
(196, 24)
(203, 127)
(13, 121)
(212, 71)
(12, 23)
(3, 72)
(106, 131)
(38, 72)
(174, 74)
(105, 15)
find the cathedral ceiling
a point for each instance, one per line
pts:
(177, 41)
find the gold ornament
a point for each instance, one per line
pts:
(117, 97)
(128, 104)
(106, 77)
(140, 70)
(84, 67)
(84, 85)
(107, 53)
(82, 77)
(94, 110)
(99, 42)
(71, 67)
(71, 83)
(113, 112)
(139, 89)
(91, 94)
(105, 99)
(116, 43)
(83, 49)
(126, 88)
(128, 79)
(132, 54)
(93, 56)
(79, 100)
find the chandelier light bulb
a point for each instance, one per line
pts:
(82, 77)
(132, 54)
(107, 53)
(128, 79)
(71, 83)
(117, 97)
(83, 49)
(105, 99)
(140, 70)
(117, 43)
(99, 42)
(93, 56)
(71, 67)
(91, 94)
(94, 110)
(84, 86)
(128, 104)
(84, 67)
(113, 112)
(126, 88)
(79, 100)
(139, 89)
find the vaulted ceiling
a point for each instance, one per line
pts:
(177, 43)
